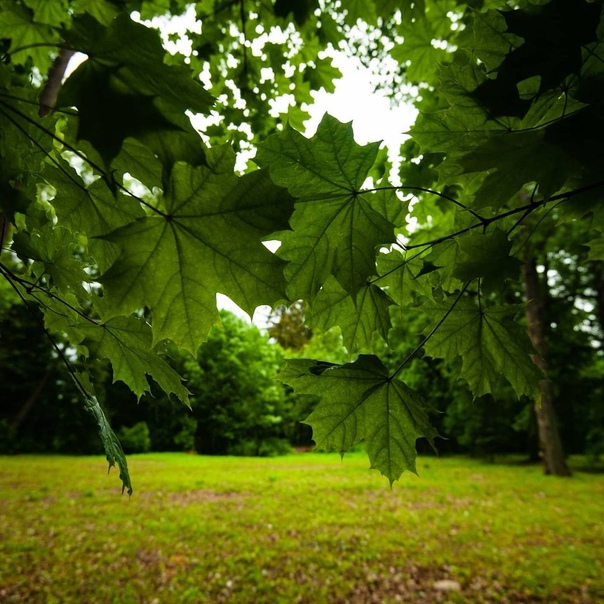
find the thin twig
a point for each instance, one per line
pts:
(432, 332)
(40, 323)
(430, 192)
(487, 221)
(29, 287)
(92, 164)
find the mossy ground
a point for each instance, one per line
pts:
(301, 528)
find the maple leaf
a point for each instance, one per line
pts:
(417, 52)
(486, 256)
(466, 123)
(92, 209)
(360, 402)
(104, 11)
(139, 161)
(322, 75)
(52, 12)
(360, 9)
(127, 343)
(400, 274)
(359, 318)
(111, 444)
(508, 160)
(125, 89)
(491, 344)
(492, 41)
(553, 35)
(206, 239)
(596, 248)
(336, 227)
(55, 255)
(28, 37)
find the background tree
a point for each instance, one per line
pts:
(238, 406)
(287, 326)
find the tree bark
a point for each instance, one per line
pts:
(549, 435)
(4, 231)
(595, 268)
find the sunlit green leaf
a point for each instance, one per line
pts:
(206, 239)
(359, 318)
(336, 227)
(127, 343)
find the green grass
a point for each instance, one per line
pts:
(302, 528)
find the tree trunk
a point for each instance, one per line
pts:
(595, 268)
(549, 435)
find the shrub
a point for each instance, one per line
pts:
(135, 439)
(185, 439)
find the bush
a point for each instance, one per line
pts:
(239, 407)
(135, 439)
(185, 439)
(8, 440)
(266, 447)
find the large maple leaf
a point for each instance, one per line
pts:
(491, 344)
(125, 89)
(361, 402)
(205, 239)
(126, 342)
(336, 227)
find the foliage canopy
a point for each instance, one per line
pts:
(128, 220)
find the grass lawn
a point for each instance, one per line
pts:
(302, 528)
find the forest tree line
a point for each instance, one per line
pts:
(238, 408)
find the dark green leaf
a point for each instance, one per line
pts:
(125, 89)
(206, 240)
(336, 227)
(360, 402)
(492, 346)
(113, 449)
(486, 256)
(509, 160)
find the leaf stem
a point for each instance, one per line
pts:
(561, 197)
(430, 192)
(28, 102)
(432, 332)
(29, 287)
